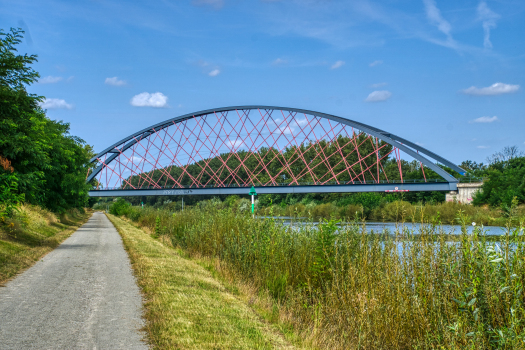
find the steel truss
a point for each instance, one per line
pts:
(226, 150)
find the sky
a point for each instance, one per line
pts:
(448, 75)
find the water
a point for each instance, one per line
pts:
(378, 227)
(448, 229)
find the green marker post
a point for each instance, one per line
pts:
(253, 193)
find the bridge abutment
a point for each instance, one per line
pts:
(464, 193)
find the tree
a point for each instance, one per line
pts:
(505, 179)
(505, 155)
(49, 163)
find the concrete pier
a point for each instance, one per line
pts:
(465, 192)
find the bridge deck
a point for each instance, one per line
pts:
(392, 187)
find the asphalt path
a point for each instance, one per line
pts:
(82, 295)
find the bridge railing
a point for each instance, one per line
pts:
(407, 181)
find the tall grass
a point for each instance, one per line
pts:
(342, 288)
(398, 210)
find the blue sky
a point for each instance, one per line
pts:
(446, 74)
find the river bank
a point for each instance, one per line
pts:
(363, 292)
(396, 211)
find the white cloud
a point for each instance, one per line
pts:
(301, 122)
(485, 120)
(483, 147)
(136, 160)
(435, 18)
(488, 19)
(279, 61)
(216, 4)
(377, 85)
(145, 99)
(214, 73)
(337, 64)
(50, 80)
(114, 81)
(377, 96)
(375, 63)
(287, 130)
(235, 143)
(420, 144)
(494, 89)
(55, 103)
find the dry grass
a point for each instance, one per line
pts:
(32, 233)
(186, 307)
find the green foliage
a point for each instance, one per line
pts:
(9, 196)
(505, 180)
(119, 207)
(50, 164)
(324, 254)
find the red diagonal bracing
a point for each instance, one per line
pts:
(207, 150)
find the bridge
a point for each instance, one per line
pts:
(275, 149)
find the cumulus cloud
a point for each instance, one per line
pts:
(301, 122)
(375, 63)
(494, 89)
(55, 103)
(485, 120)
(216, 4)
(488, 19)
(377, 96)
(50, 80)
(337, 64)
(435, 18)
(145, 99)
(287, 130)
(214, 73)
(114, 81)
(235, 143)
(377, 85)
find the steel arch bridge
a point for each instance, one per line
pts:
(275, 149)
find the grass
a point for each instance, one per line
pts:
(186, 307)
(445, 212)
(30, 234)
(341, 288)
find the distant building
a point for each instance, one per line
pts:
(465, 192)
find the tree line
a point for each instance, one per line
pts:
(40, 161)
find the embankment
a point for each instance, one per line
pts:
(31, 233)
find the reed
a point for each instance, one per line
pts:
(342, 288)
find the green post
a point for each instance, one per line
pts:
(253, 193)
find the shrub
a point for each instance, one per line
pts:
(119, 207)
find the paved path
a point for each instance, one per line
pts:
(82, 295)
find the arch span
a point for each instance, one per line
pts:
(275, 149)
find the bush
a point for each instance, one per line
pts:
(120, 207)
